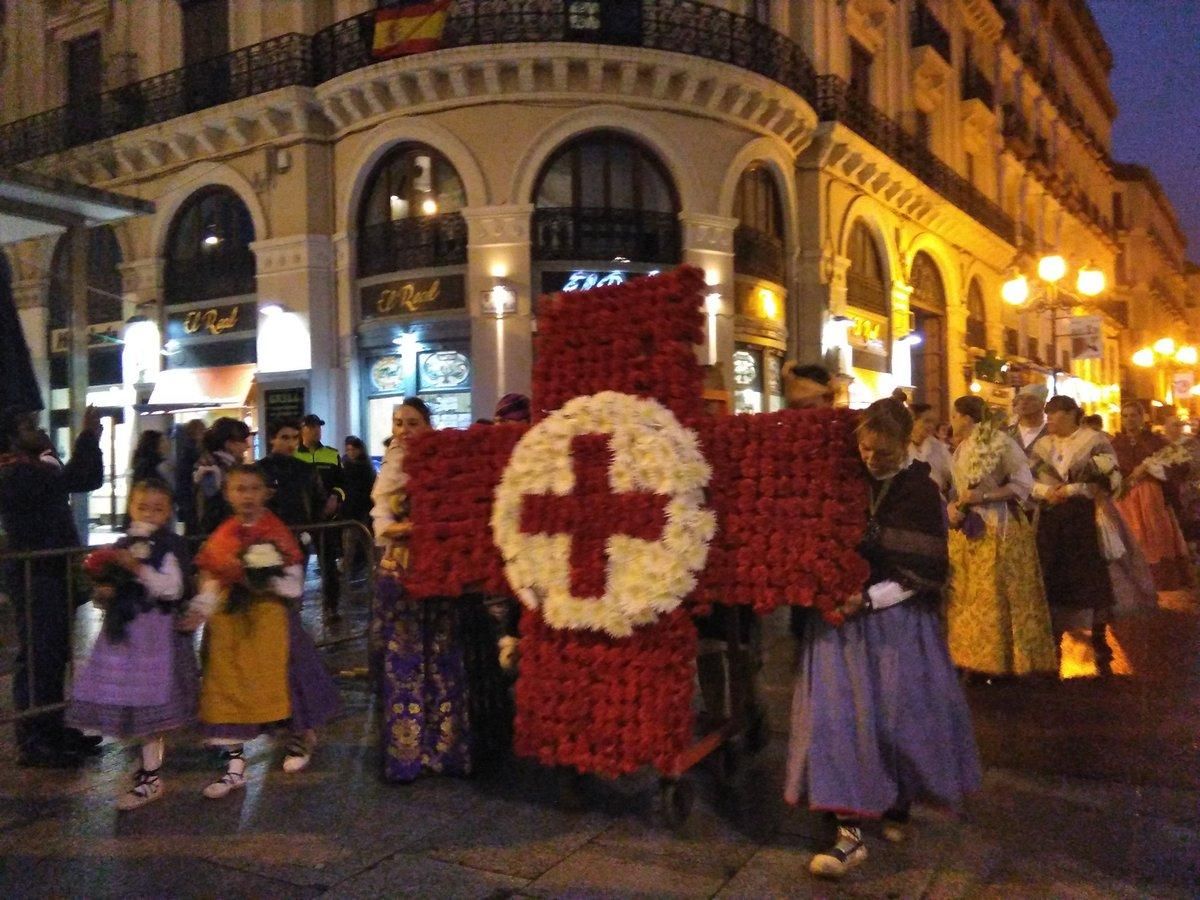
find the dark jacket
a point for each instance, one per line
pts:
(298, 492)
(360, 478)
(328, 465)
(35, 509)
(907, 540)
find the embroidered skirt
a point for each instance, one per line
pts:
(1157, 532)
(997, 619)
(424, 684)
(878, 717)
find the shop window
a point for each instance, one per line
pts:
(208, 249)
(601, 197)
(976, 316)
(103, 279)
(758, 240)
(928, 290)
(747, 379)
(1012, 342)
(85, 80)
(865, 287)
(411, 216)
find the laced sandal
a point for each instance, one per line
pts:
(147, 787)
(297, 755)
(843, 856)
(231, 781)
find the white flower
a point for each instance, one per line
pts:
(139, 550)
(1105, 463)
(262, 556)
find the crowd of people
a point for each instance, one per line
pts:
(984, 546)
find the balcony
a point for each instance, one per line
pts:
(1018, 137)
(758, 254)
(976, 87)
(414, 243)
(927, 31)
(598, 233)
(836, 103)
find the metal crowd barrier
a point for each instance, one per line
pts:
(19, 571)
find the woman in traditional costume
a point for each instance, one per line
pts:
(141, 680)
(997, 619)
(424, 674)
(878, 717)
(1149, 464)
(261, 669)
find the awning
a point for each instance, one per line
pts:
(209, 388)
(33, 205)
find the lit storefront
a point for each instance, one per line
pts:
(414, 333)
(868, 330)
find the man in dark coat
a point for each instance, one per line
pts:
(35, 513)
(297, 494)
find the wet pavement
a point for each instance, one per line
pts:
(1092, 789)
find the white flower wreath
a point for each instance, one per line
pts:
(652, 453)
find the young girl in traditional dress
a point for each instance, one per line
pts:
(141, 680)
(878, 717)
(260, 667)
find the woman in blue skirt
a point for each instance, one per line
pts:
(878, 717)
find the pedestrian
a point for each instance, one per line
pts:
(425, 681)
(1030, 426)
(1075, 471)
(360, 481)
(141, 680)
(997, 620)
(1151, 466)
(225, 445)
(250, 574)
(328, 464)
(878, 717)
(513, 408)
(1187, 499)
(1094, 422)
(35, 513)
(149, 460)
(927, 448)
(189, 446)
(296, 494)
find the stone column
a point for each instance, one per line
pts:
(901, 322)
(498, 253)
(708, 244)
(347, 398)
(32, 299)
(142, 283)
(296, 344)
(956, 348)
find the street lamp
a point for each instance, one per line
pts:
(1165, 354)
(1048, 296)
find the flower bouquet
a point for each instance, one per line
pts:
(102, 567)
(261, 562)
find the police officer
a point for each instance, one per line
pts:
(328, 464)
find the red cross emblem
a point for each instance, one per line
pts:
(610, 522)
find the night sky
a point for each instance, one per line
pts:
(1156, 83)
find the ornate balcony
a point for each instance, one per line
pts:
(587, 233)
(419, 242)
(758, 253)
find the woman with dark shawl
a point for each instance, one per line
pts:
(878, 718)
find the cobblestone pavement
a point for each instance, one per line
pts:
(1092, 789)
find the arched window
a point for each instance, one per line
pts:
(410, 214)
(208, 249)
(103, 279)
(865, 286)
(604, 196)
(758, 240)
(976, 316)
(928, 291)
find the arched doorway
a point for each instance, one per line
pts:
(928, 302)
(605, 208)
(414, 324)
(760, 297)
(869, 302)
(976, 317)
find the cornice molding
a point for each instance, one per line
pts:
(291, 253)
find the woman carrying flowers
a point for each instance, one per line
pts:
(878, 718)
(260, 667)
(424, 675)
(997, 619)
(141, 680)
(1149, 463)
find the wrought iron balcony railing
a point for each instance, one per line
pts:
(420, 242)
(927, 31)
(836, 102)
(601, 233)
(757, 253)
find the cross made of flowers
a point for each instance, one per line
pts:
(623, 512)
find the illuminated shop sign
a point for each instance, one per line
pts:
(102, 334)
(413, 295)
(212, 321)
(586, 279)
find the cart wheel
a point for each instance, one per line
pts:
(677, 799)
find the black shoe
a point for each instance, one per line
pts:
(47, 756)
(75, 741)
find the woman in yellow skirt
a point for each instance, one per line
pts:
(997, 618)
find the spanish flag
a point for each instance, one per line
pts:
(412, 26)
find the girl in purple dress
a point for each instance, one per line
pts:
(878, 717)
(141, 680)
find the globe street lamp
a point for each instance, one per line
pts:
(1166, 355)
(1047, 295)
